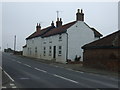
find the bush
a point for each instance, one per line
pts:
(77, 58)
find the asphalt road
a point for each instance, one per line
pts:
(28, 73)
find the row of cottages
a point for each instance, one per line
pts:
(103, 53)
(61, 42)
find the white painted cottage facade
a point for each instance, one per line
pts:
(60, 43)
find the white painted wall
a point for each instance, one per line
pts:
(32, 44)
(78, 35)
(55, 42)
(40, 43)
(25, 51)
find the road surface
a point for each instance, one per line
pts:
(28, 73)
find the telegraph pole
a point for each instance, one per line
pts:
(14, 44)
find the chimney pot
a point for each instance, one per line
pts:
(59, 23)
(38, 27)
(80, 15)
(52, 24)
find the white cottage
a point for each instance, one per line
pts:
(61, 42)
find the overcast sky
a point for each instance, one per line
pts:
(20, 18)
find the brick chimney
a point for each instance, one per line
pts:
(52, 24)
(38, 27)
(58, 23)
(79, 15)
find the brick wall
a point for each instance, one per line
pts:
(102, 58)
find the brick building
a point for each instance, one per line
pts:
(103, 53)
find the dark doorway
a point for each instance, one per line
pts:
(54, 52)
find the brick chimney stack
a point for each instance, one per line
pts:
(79, 15)
(38, 27)
(52, 24)
(59, 22)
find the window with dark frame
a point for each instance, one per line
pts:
(44, 51)
(50, 48)
(35, 50)
(60, 51)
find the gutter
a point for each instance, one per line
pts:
(67, 47)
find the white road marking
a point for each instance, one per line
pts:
(41, 70)
(79, 71)
(27, 65)
(11, 84)
(4, 87)
(18, 62)
(66, 78)
(9, 76)
(75, 70)
(14, 87)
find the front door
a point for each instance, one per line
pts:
(54, 52)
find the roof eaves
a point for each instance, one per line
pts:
(97, 34)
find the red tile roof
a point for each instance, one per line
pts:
(59, 30)
(96, 33)
(39, 33)
(49, 31)
(110, 41)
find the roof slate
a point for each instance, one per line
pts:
(59, 30)
(49, 31)
(96, 33)
(40, 33)
(109, 41)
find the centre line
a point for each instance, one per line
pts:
(27, 65)
(18, 62)
(40, 70)
(66, 78)
(11, 84)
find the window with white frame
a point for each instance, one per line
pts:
(50, 50)
(35, 50)
(44, 51)
(60, 37)
(60, 51)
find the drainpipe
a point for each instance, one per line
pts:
(67, 47)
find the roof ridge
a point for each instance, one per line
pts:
(60, 29)
(41, 32)
(99, 40)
